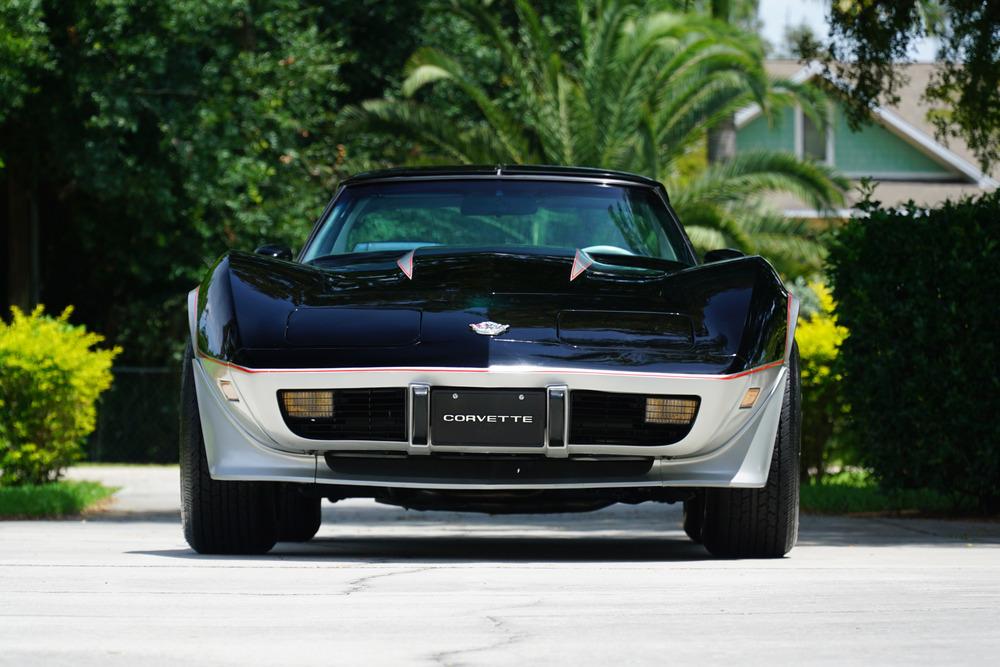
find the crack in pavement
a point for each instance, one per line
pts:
(446, 658)
(361, 584)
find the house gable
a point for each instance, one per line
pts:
(887, 148)
(873, 150)
(776, 134)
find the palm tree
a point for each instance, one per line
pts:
(640, 94)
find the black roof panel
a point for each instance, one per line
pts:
(501, 171)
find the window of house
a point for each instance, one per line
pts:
(814, 140)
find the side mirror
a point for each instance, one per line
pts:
(275, 250)
(722, 254)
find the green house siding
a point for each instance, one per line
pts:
(758, 134)
(871, 151)
(874, 150)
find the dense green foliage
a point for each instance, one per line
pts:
(51, 378)
(641, 92)
(137, 418)
(819, 338)
(57, 499)
(856, 491)
(24, 52)
(868, 39)
(917, 291)
(159, 134)
(149, 137)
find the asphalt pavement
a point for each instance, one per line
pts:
(382, 585)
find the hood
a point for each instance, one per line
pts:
(366, 310)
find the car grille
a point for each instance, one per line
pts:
(496, 468)
(358, 414)
(605, 418)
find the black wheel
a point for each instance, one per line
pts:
(219, 517)
(762, 523)
(694, 516)
(299, 515)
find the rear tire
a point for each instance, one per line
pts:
(694, 516)
(762, 523)
(219, 517)
(299, 516)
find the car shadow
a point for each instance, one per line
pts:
(469, 549)
(646, 533)
(112, 516)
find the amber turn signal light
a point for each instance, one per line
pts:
(670, 410)
(749, 398)
(308, 404)
(228, 390)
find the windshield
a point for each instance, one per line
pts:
(609, 219)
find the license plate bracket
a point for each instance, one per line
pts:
(488, 417)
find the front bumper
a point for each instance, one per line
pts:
(726, 447)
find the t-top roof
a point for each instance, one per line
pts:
(500, 171)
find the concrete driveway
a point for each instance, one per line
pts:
(381, 585)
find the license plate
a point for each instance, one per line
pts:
(507, 417)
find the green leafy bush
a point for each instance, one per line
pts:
(917, 290)
(819, 337)
(50, 378)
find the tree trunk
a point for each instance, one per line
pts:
(22, 242)
(722, 141)
(721, 10)
(722, 138)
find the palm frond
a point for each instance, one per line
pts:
(789, 243)
(428, 64)
(428, 129)
(757, 172)
(641, 94)
(812, 99)
(705, 238)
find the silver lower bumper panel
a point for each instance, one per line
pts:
(725, 449)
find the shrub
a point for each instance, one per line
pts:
(50, 378)
(917, 290)
(819, 338)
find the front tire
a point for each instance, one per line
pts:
(299, 516)
(219, 517)
(762, 523)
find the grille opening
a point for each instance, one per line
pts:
(609, 418)
(353, 414)
(512, 468)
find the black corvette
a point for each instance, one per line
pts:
(508, 339)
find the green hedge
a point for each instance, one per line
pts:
(137, 418)
(918, 291)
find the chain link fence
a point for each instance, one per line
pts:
(137, 419)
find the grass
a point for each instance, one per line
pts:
(102, 464)
(58, 499)
(856, 492)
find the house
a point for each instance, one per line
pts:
(896, 148)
